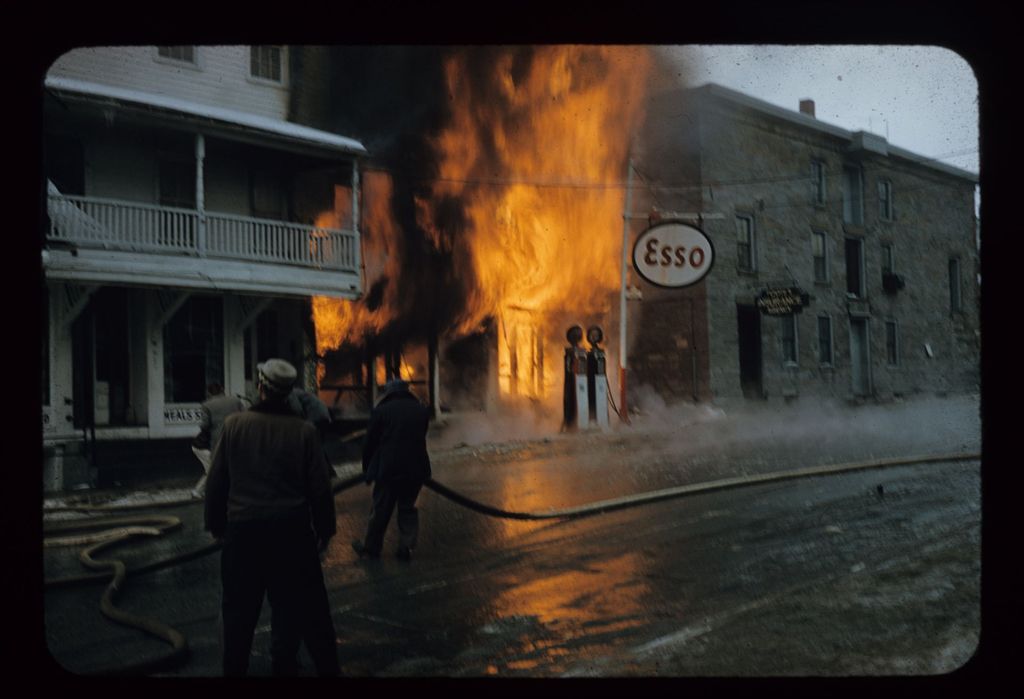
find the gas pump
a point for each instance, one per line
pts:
(597, 382)
(576, 409)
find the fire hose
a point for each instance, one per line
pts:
(133, 526)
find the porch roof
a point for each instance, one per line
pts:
(232, 120)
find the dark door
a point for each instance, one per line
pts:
(749, 325)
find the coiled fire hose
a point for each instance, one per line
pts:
(179, 645)
(125, 529)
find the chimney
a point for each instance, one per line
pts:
(807, 107)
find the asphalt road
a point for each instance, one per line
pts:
(868, 573)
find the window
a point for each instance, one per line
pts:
(955, 301)
(789, 338)
(193, 350)
(745, 243)
(853, 200)
(819, 251)
(267, 195)
(818, 182)
(177, 181)
(825, 339)
(885, 200)
(184, 54)
(265, 63)
(888, 266)
(892, 347)
(855, 267)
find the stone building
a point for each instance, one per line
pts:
(873, 248)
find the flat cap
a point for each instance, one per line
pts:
(277, 374)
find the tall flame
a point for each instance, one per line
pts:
(339, 321)
(539, 162)
(538, 155)
(535, 152)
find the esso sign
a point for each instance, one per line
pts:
(673, 255)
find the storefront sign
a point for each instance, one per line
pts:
(673, 255)
(782, 302)
(182, 414)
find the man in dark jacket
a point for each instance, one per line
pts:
(395, 460)
(269, 501)
(215, 410)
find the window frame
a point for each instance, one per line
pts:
(789, 321)
(819, 191)
(751, 244)
(830, 362)
(180, 165)
(257, 60)
(853, 201)
(862, 272)
(885, 203)
(194, 64)
(823, 237)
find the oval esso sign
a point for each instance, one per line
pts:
(673, 255)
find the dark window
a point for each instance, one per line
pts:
(178, 183)
(817, 182)
(193, 350)
(820, 254)
(789, 338)
(854, 267)
(885, 200)
(265, 62)
(185, 54)
(825, 339)
(267, 195)
(745, 243)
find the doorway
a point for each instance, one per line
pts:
(101, 361)
(748, 321)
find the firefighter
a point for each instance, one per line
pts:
(395, 460)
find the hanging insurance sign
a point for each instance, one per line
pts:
(673, 254)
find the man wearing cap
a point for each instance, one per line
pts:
(395, 460)
(269, 500)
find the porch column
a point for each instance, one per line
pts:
(234, 346)
(154, 365)
(200, 202)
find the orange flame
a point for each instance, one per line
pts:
(544, 200)
(339, 321)
(538, 163)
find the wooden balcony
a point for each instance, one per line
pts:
(92, 240)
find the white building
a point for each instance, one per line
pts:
(189, 222)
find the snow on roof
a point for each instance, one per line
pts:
(277, 127)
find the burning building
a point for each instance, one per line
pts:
(493, 222)
(518, 175)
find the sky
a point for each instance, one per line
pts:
(921, 98)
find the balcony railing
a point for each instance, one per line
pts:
(106, 224)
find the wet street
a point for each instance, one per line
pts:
(869, 572)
